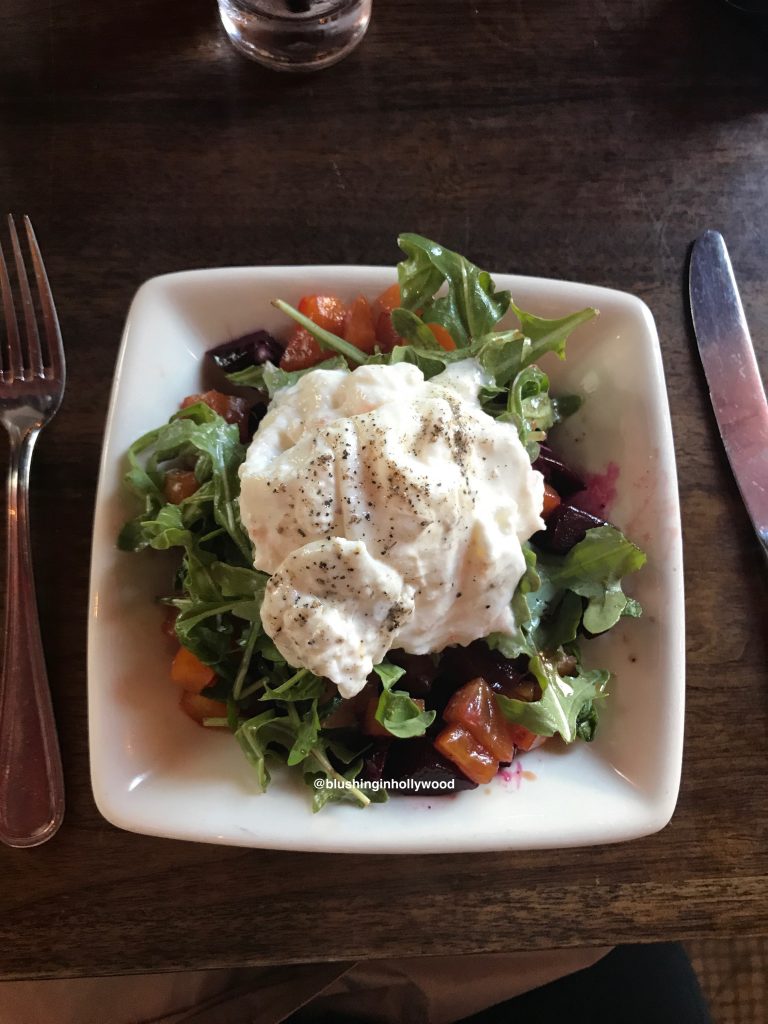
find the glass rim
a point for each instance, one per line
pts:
(328, 8)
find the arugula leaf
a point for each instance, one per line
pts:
(198, 435)
(270, 378)
(307, 734)
(414, 330)
(499, 353)
(165, 531)
(525, 610)
(561, 626)
(417, 275)
(430, 361)
(401, 716)
(547, 335)
(255, 736)
(318, 766)
(593, 568)
(586, 722)
(397, 711)
(530, 408)
(563, 701)
(388, 673)
(472, 306)
(303, 685)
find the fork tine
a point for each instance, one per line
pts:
(33, 337)
(50, 319)
(13, 350)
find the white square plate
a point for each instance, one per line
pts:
(154, 771)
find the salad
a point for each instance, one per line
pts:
(370, 673)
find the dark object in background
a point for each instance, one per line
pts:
(758, 7)
(566, 526)
(648, 984)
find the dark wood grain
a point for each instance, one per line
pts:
(589, 141)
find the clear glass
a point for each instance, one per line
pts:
(295, 35)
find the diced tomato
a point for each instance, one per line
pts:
(324, 310)
(199, 708)
(442, 337)
(387, 301)
(188, 672)
(302, 351)
(386, 335)
(168, 625)
(371, 727)
(232, 408)
(474, 706)
(459, 745)
(358, 325)
(179, 484)
(524, 738)
(551, 501)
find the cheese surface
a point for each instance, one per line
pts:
(389, 512)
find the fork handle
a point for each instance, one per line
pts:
(31, 782)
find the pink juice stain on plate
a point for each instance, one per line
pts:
(515, 774)
(600, 491)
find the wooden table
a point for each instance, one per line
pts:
(587, 141)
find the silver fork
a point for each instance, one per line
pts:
(31, 387)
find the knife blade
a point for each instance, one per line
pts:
(735, 387)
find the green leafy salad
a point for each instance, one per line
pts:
(456, 715)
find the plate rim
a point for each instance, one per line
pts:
(653, 816)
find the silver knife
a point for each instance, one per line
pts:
(735, 387)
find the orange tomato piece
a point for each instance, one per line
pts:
(179, 484)
(324, 310)
(474, 707)
(524, 738)
(199, 708)
(188, 672)
(442, 337)
(230, 407)
(387, 301)
(370, 726)
(459, 745)
(551, 501)
(302, 351)
(358, 325)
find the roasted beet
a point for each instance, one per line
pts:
(250, 350)
(564, 480)
(464, 664)
(460, 665)
(255, 416)
(566, 526)
(374, 761)
(418, 760)
(420, 672)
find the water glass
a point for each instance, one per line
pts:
(295, 35)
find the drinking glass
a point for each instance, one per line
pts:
(295, 35)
